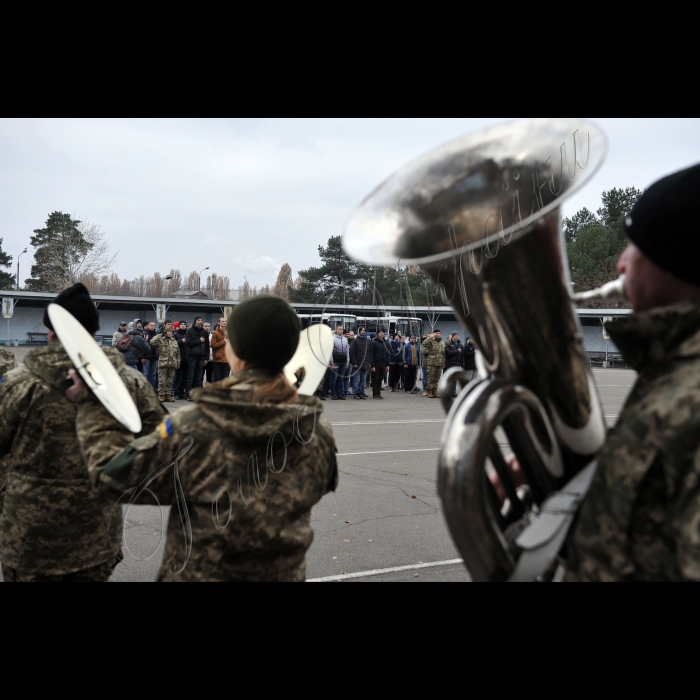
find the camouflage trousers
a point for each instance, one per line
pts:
(434, 374)
(165, 380)
(95, 574)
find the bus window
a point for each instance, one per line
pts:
(348, 323)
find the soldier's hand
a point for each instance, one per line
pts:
(516, 474)
(76, 388)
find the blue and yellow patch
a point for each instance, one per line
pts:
(165, 429)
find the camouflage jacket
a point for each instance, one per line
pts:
(7, 362)
(641, 518)
(244, 477)
(53, 521)
(168, 350)
(435, 352)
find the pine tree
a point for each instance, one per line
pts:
(7, 281)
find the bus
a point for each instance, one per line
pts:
(404, 325)
(347, 321)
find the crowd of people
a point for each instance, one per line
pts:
(175, 358)
(402, 364)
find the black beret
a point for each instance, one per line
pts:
(663, 224)
(77, 300)
(264, 330)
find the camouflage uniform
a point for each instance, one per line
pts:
(641, 518)
(435, 352)
(256, 530)
(7, 362)
(168, 362)
(53, 522)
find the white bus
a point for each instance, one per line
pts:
(404, 325)
(347, 321)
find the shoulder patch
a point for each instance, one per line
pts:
(165, 429)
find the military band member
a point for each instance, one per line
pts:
(244, 465)
(54, 526)
(641, 518)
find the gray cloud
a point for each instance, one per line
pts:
(244, 196)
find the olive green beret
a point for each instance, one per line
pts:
(264, 330)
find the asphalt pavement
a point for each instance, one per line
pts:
(384, 522)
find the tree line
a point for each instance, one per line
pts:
(594, 243)
(68, 250)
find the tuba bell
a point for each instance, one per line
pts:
(481, 216)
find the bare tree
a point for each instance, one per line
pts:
(84, 256)
(284, 281)
(175, 284)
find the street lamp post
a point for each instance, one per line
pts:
(18, 257)
(199, 279)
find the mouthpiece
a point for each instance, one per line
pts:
(612, 291)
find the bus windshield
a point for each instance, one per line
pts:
(409, 327)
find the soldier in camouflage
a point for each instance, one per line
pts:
(7, 362)
(54, 526)
(641, 518)
(168, 361)
(434, 348)
(245, 465)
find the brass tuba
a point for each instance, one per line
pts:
(481, 216)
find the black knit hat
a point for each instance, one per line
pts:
(247, 327)
(663, 224)
(77, 301)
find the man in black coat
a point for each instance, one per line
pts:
(197, 341)
(180, 383)
(469, 358)
(379, 357)
(453, 356)
(360, 361)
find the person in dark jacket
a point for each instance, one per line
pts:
(197, 341)
(454, 352)
(150, 367)
(359, 359)
(411, 363)
(379, 357)
(469, 358)
(135, 356)
(180, 383)
(395, 361)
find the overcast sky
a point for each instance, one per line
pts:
(243, 196)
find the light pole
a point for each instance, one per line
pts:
(18, 257)
(199, 280)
